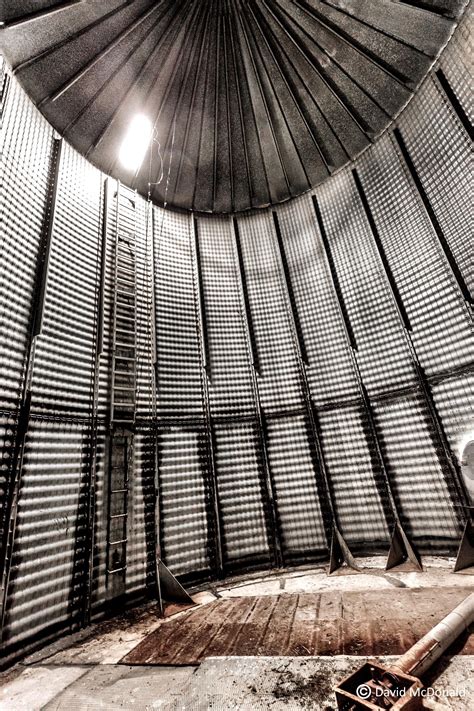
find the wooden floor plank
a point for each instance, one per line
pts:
(328, 623)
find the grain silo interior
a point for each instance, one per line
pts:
(236, 355)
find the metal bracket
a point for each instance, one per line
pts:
(401, 550)
(465, 556)
(169, 588)
(340, 553)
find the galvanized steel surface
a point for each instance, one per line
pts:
(252, 102)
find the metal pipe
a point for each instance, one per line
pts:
(418, 659)
(399, 685)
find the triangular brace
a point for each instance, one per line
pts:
(169, 588)
(340, 553)
(465, 556)
(401, 550)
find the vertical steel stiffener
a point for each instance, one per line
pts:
(270, 506)
(400, 546)
(338, 548)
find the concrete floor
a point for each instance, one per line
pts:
(83, 671)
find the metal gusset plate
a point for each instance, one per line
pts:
(401, 550)
(340, 553)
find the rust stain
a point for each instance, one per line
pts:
(373, 623)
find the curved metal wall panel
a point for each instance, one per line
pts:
(230, 385)
(64, 357)
(414, 464)
(330, 373)
(145, 314)
(183, 500)
(279, 382)
(46, 576)
(98, 590)
(292, 463)
(354, 476)
(439, 143)
(141, 545)
(239, 485)
(179, 385)
(25, 149)
(441, 325)
(382, 353)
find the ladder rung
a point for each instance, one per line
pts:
(130, 271)
(118, 491)
(120, 344)
(124, 330)
(122, 515)
(121, 404)
(119, 357)
(116, 570)
(116, 543)
(122, 421)
(123, 373)
(126, 263)
(126, 252)
(126, 293)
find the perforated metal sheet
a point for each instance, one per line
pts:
(141, 544)
(351, 471)
(415, 468)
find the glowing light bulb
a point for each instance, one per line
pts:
(135, 144)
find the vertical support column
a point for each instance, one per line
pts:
(400, 547)
(268, 492)
(214, 520)
(339, 550)
(34, 330)
(451, 472)
(153, 544)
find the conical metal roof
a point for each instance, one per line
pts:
(253, 101)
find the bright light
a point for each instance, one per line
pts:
(136, 142)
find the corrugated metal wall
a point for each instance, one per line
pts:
(292, 365)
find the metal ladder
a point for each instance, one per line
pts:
(123, 385)
(124, 353)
